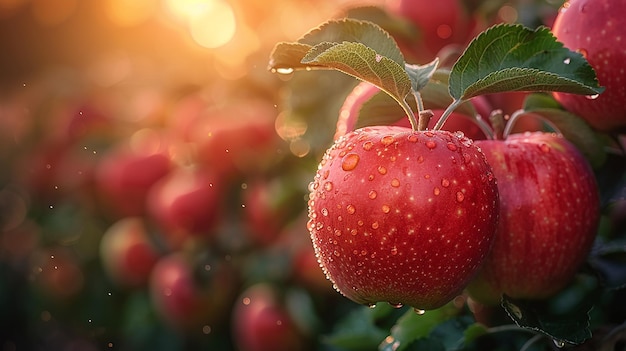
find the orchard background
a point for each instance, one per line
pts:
(154, 184)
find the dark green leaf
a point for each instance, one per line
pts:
(564, 317)
(413, 326)
(608, 260)
(515, 58)
(362, 62)
(451, 333)
(358, 330)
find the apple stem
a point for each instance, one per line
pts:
(498, 124)
(447, 113)
(424, 119)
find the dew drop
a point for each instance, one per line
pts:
(386, 209)
(420, 159)
(375, 225)
(394, 251)
(419, 311)
(372, 194)
(349, 162)
(328, 186)
(592, 97)
(445, 182)
(452, 147)
(324, 212)
(367, 146)
(431, 144)
(351, 209)
(567, 61)
(583, 52)
(378, 57)
(336, 253)
(284, 70)
(387, 140)
(382, 170)
(544, 147)
(459, 196)
(395, 304)
(395, 183)
(436, 191)
(371, 305)
(413, 138)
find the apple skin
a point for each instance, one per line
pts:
(185, 204)
(124, 176)
(187, 300)
(262, 323)
(402, 216)
(127, 252)
(549, 213)
(596, 30)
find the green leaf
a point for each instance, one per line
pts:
(515, 58)
(539, 100)
(564, 317)
(362, 62)
(413, 326)
(420, 74)
(358, 330)
(608, 260)
(288, 56)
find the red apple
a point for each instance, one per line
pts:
(262, 323)
(402, 216)
(128, 253)
(238, 138)
(124, 176)
(185, 204)
(596, 29)
(190, 294)
(549, 213)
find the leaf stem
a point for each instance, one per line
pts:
(409, 113)
(447, 113)
(515, 116)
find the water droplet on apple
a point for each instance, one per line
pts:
(324, 212)
(351, 209)
(452, 147)
(372, 194)
(349, 162)
(386, 209)
(367, 146)
(387, 140)
(445, 182)
(592, 97)
(460, 196)
(436, 191)
(375, 225)
(431, 144)
(413, 138)
(328, 186)
(419, 311)
(382, 170)
(395, 304)
(395, 182)
(394, 251)
(544, 147)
